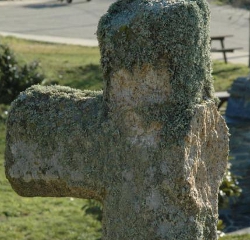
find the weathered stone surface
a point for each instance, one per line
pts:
(59, 144)
(51, 135)
(170, 36)
(152, 148)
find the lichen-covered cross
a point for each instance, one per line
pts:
(152, 147)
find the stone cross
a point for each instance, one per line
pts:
(152, 147)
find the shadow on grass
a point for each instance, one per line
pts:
(226, 70)
(84, 77)
(45, 5)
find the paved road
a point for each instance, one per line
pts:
(226, 21)
(52, 18)
(77, 22)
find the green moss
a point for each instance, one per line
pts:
(175, 121)
(164, 34)
(49, 109)
(145, 32)
(61, 120)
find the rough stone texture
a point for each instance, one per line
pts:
(152, 148)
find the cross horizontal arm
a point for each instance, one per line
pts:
(53, 147)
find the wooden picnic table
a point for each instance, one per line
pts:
(223, 96)
(223, 50)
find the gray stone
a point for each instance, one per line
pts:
(238, 107)
(152, 147)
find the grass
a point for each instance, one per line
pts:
(41, 218)
(236, 237)
(62, 218)
(225, 74)
(73, 66)
(49, 218)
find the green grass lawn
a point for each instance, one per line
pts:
(73, 66)
(225, 74)
(236, 237)
(63, 218)
(41, 218)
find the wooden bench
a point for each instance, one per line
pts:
(223, 50)
(223, 96)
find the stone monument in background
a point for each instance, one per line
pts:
(238, 107)
(152, 147)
